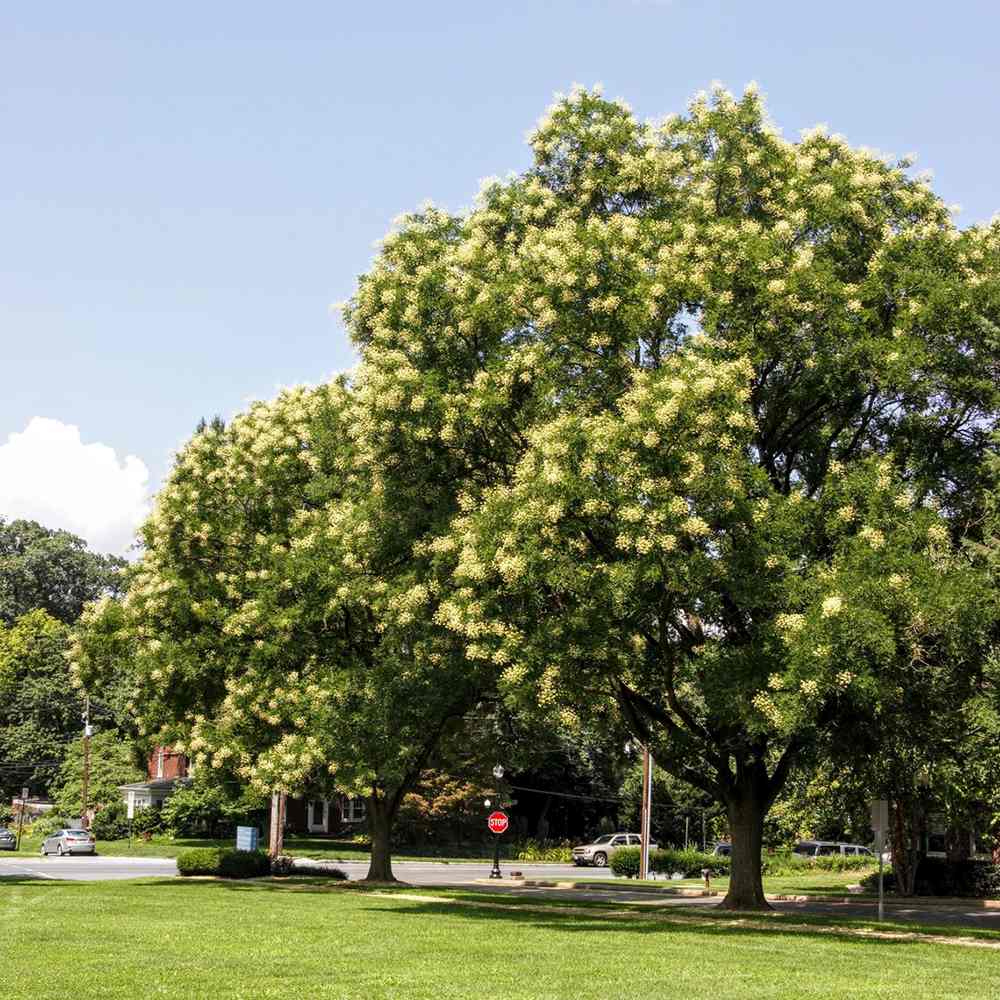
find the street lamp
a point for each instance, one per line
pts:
(495, 871)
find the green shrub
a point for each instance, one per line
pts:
(225, 862)
(842, 863)
(148, 821)
(202, 808)
(940, 877)
(542, 850)
(786, 863)
(625, 862)
(244, 864)
(690, 863)
(199, 861)
(46, 825)
(111, 822)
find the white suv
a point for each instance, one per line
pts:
(601, 849)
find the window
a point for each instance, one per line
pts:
(618, 842)
(354, 810)
(635, 840)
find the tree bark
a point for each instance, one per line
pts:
(746, 807)
(907, 825)
(381, 814)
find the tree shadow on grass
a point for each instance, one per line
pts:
(707, 923)
(25, 878)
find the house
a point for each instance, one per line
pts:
(320, 816)
(166, 769)
(32, 807)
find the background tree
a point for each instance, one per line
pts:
(40, 711)
(52, 570)
(696, 391)
(280, 619)
(112, 763)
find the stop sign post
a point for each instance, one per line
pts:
(497, 822)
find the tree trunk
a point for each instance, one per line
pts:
(907, 825)
(381, 814)
(746, 806)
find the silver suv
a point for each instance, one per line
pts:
(598, 851)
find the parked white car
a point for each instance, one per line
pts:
(69, 841)
(601, 849)
(825, 848)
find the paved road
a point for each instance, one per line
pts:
(85, 869)
(96, 869)
(463, 873)
(469, 874)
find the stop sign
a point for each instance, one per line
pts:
(498, 822)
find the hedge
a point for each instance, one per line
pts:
(224, 862)
(940, 877)
(666, 861)
(691, 863)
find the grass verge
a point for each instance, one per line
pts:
(300, 938)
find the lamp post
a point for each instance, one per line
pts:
(495, 871)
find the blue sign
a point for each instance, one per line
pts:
(246, 838)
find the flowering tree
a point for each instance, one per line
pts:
(713, 408)
(278, 617)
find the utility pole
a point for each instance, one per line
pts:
(276, 841)
(644, 812)
(85, 792)
(20, 816)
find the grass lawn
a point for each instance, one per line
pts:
(833, 884)
(176, 938)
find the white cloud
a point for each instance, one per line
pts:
(47, 474)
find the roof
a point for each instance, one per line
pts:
(158, 784)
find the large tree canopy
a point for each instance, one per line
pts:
(280, 620)
(714, 407)
(50, 569)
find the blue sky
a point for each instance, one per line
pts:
(186, 188)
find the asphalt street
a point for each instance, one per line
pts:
(476, 874)
(84, 868)
(98, 868)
